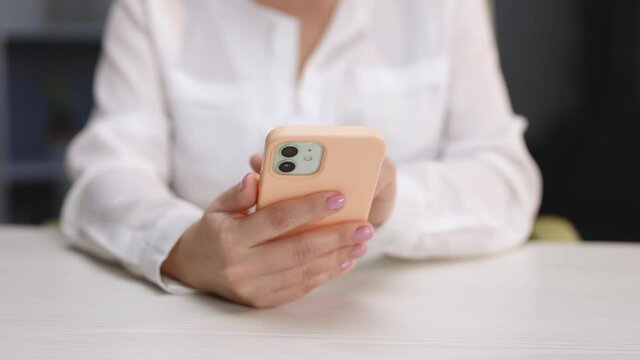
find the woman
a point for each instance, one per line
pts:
(187, 90)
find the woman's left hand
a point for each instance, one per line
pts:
(385, 191)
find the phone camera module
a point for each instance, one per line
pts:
(287, 166)
(289, 152)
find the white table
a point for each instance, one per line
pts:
(549, 301)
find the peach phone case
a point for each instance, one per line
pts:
(353, 157)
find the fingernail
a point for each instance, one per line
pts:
(243, 183)
(358, 250)
(336, 202)
(363, 233)
(346, 265)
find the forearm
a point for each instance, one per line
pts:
(481, 197)
(127, 215)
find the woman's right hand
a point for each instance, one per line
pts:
(247, 259)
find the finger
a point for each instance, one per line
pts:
(256, 162)
(241, 197)
(387, 175)
(383, 202)
(286, 296)
(310, 245)
(343, 258)
(280, 218)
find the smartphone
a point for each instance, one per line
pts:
(300, 160)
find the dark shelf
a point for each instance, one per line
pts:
(57, 34)
(52, 170)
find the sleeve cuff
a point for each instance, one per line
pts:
(423, 225)
(168, 231)
(396, 236)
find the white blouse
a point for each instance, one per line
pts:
(186, 91)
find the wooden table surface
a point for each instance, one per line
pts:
(544, 301)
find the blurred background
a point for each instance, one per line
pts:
(572, 68)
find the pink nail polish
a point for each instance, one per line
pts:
(336, 202)
(346, 265)
(358, 250)
(363, 233)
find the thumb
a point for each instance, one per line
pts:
(256, 162)
(240, 197)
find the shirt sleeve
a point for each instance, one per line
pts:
(481, 195)
(121, 207)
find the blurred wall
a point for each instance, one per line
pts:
(573, 68)
(20, 13)
(27, 23)
(14, 14)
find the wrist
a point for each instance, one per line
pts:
(173, 266)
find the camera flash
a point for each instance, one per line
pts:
(308, 158)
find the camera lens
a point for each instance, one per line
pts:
(287, 167)
(289, 151)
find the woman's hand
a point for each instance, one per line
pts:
(385, 191)
(385, 194)
(247, 259)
